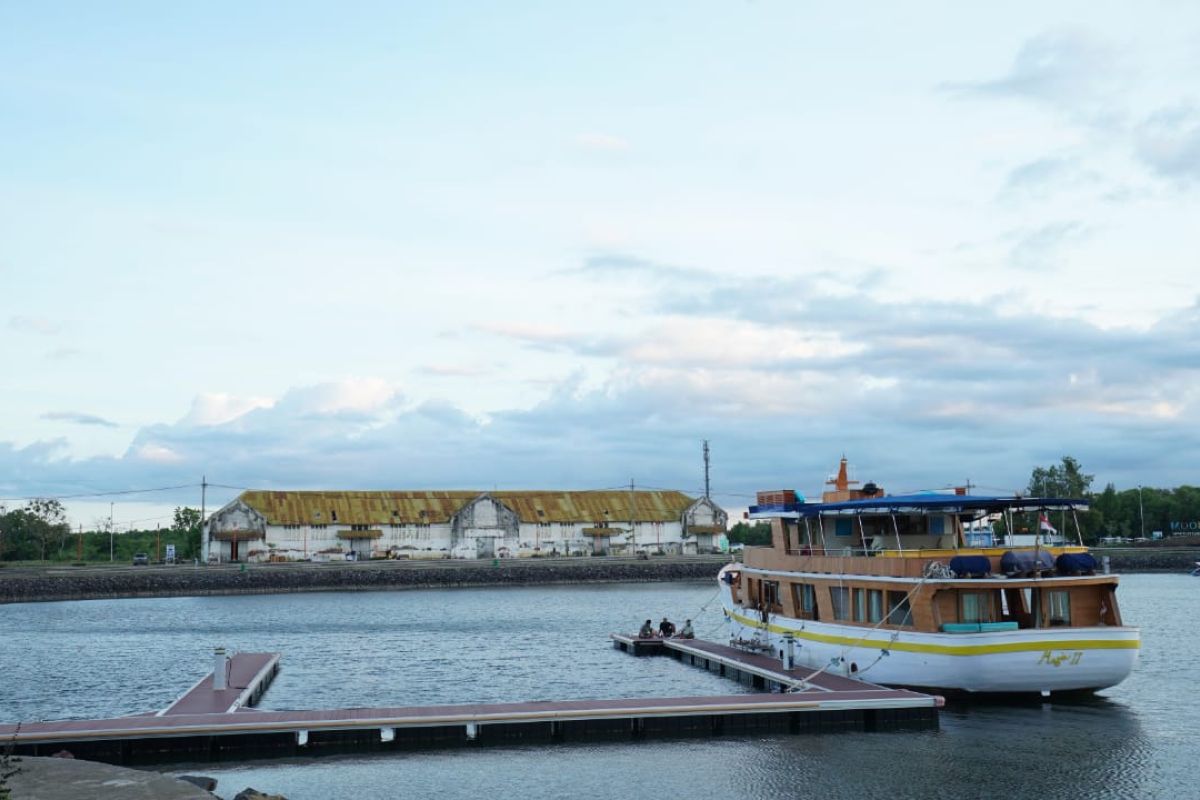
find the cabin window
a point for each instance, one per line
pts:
(874, 605)
(1058, 607)
(860, 605)
(840, 598)
(806, 600)
(844, 527)
(770, 593)
(975, 607)
(899, 611)
(333, 515)
(937, 526)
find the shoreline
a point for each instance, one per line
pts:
(110, 583)
(66, 583)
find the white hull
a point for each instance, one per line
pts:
(1030, 660)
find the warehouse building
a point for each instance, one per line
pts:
(289, 526)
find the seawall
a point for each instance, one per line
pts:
(94, 583)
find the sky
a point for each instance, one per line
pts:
(549, 245)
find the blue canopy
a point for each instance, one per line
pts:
(918, 503)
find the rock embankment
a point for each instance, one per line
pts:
(19, 586)
(1148, 559)
(71, 779)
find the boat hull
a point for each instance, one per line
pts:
(1032, 660)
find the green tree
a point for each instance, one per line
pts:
(1066, 479)
(744, 533)
(187, 525)
(27, 533)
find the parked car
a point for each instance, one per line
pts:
(141, 560)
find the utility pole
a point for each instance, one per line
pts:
(203, 533)
(632, 534)
(1141, 513)
(706, 497)
(79, 546)
(110, 533)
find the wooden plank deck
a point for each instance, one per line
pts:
(770, 670)
(249, 676)
(205, 723)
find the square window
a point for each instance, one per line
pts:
(840, 599)
(975, 607)
(899, 610)
(1058, 607)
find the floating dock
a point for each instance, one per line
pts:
(247, 677)
(216, 722)
(766, 673)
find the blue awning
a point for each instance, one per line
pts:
(919, 503)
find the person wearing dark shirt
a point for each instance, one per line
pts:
(666, 628)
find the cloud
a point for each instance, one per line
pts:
(1040, 176)
(1169, 143)
(782, 383)
(39, 325)
(1036, 249)
(361, 396)
(605, 265)
(156, 453)
(547, 337)
(1069, 71)
(604, 142)
(216, 408)
(78, 418)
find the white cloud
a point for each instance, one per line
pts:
(736, 344)
(157, 454)
(216, 408)
(354, 395)
(1169, 143)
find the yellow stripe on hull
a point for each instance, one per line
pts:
(946, 649)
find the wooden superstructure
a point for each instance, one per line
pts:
(863, 567)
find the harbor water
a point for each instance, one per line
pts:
(113, 657)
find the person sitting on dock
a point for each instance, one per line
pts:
(666, 628)
(647, 631)
(686, 631)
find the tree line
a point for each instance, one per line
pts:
(39, 531)
(1128, 513)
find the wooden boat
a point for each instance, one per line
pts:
(884, 586)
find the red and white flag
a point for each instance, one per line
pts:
(1044, 524)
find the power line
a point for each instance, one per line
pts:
(114, 493)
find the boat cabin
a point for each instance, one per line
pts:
(863, 557)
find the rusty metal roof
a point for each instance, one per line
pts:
(436, 507)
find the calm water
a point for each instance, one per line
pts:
(99, 658)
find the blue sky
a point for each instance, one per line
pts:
(541, 244)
